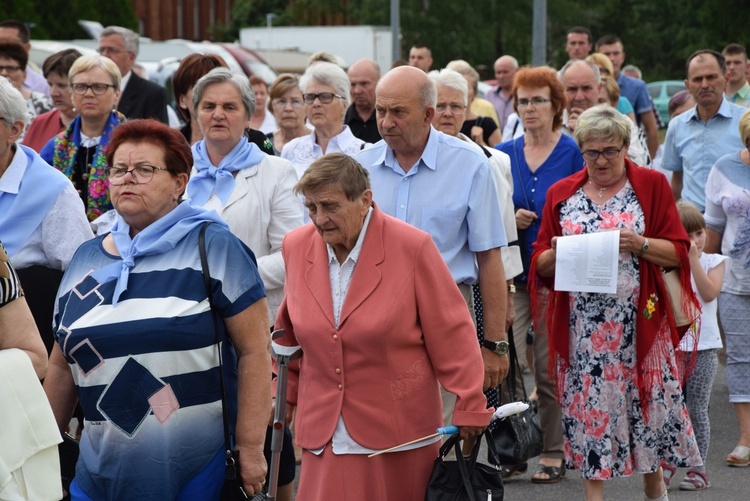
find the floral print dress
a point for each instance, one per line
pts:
(604, 428)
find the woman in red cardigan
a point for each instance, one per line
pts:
(613, 354)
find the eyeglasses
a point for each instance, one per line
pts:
(325, 97)
(142, 174)
(98, 88)
(536, 101)
(110, 50)
(295, 103)
(9, 69)
(608, 153)
(454, 107)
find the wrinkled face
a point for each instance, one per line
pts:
(336, 218)
(221, 114)
(142, 204)
(705, 81)
(261, 96)
(322, 115)
(450, 111)
(699, 239)
(289, 109)
(89, 105)
(604, 171)
(420, 58)
(581, 89)
(402, 121)
(113, 47)
(504, 72)
(59, 92)
(11, 69)
(615, 54)
(535, 116)
(577, 45)
(363, 81)
(736, 67)
(9, 134)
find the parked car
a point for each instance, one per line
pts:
(252, 64)
(661, 92)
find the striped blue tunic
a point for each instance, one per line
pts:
(146, 371)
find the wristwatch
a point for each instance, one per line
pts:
(644, 249)
(499, 347)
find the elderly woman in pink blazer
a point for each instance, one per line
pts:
(381, 323)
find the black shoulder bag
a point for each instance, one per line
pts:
(232, 489)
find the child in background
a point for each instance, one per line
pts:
(707, 276)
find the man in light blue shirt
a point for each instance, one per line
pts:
(700, 136)
(444, 187)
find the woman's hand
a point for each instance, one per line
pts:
(477, 135)
(470, 432)
(253, 469)
(631, 242)
(524, 218)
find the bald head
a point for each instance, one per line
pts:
(405, 105)
(505, 71)
(363, 76)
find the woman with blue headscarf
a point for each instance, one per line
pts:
(136, 343)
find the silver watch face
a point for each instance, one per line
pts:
(501, 347)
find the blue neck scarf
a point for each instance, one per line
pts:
(219, 179)
(157, 238)
(21, 213)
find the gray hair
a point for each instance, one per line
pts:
(222, 75)
(452, 80)
(129, 37)
(590, 64)
(635, 69)
(89, 62)
(327, 74)
(602, 123)
(12, 104)
(466, 70)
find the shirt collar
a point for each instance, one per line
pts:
(357, 249)
(125, 80)
(428, 158)
(723, 111)
(10, 181)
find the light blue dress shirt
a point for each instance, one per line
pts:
(449, 193)
(693, 147)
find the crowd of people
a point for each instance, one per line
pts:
(399, 228)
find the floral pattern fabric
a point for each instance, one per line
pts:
(605, 431)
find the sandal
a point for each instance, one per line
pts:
(554, 474)
(740, 456)
(695, 480)
(668, 471)
(508, 472)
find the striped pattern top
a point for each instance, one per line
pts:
(10, 288)
(146, 371)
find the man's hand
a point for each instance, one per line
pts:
(495, 368)
(573, 115)
(253, 469)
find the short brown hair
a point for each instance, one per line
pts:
(178, 158)
(15, 51)
(538, 78)
(690, 216)
(60, 62)
(190, 70)
(335, 169)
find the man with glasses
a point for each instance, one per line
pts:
(360, 117)
(445, 187)
(582, 84)
(140, 98)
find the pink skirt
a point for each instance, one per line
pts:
(396, 476)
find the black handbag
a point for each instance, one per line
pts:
(232, 489)
(464, 479)
(518, 437)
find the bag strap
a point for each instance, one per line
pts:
(518, 168)
(230, 460)
(514, 365)
(454, 443)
